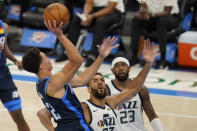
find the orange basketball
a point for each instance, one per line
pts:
(57, 12)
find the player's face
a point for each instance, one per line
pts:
(46, 63)
(98, 87)
(121, 71)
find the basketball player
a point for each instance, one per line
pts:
(8, 91)
(98, 111)
(55, 89)
(130, 113)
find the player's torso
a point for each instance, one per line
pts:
(129, 114)
(103, 119)
(64, 110)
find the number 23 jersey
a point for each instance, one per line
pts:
(129, 114)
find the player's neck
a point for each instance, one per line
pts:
(44, 73)
(97, 101)
(121, 84)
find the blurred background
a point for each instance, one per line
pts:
(26, 30)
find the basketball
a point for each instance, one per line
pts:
(57, 12)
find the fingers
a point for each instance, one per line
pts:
(98, 46)
(148, 43)
(61, 24)
(116, 46)
(53, 24)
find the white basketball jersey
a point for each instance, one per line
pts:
(129, 114)
(102, 119)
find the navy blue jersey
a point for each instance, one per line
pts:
(66, 110)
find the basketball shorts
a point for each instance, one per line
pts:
(8, 92)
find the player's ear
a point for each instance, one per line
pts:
(41, 66)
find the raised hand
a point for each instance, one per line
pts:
(107, 46)
(148, 54)
(54, 28)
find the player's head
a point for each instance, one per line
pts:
(34, 60)
(121, 68)
(97, 86)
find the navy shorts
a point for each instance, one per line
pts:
(8, 91)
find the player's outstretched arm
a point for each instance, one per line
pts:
(75, 60)
(104, 50)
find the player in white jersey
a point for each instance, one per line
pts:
(130, 113)
(104, 119)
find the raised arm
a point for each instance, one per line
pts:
(104, 50)
(75, 60)
(138, 82)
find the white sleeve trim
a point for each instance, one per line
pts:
(156, 125)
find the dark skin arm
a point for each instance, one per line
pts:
(165, 12)
(147, 105)
(86, 112)
(9, 54)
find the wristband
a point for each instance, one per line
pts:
(156, 125)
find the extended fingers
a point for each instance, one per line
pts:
(115, 46)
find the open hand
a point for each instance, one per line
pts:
(148, 54)
(54, 28)
(106, 47)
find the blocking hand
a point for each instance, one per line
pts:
(148, 54)
(106, 47)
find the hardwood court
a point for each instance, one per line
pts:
(176, 113)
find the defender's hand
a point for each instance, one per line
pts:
(106, 47)
(148, 54)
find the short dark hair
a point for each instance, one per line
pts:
(31, 60)
(97, 73)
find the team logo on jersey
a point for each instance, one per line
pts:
(107, 121)
(38, 37)
(1, 31)
(15, 94)
(127, 105)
